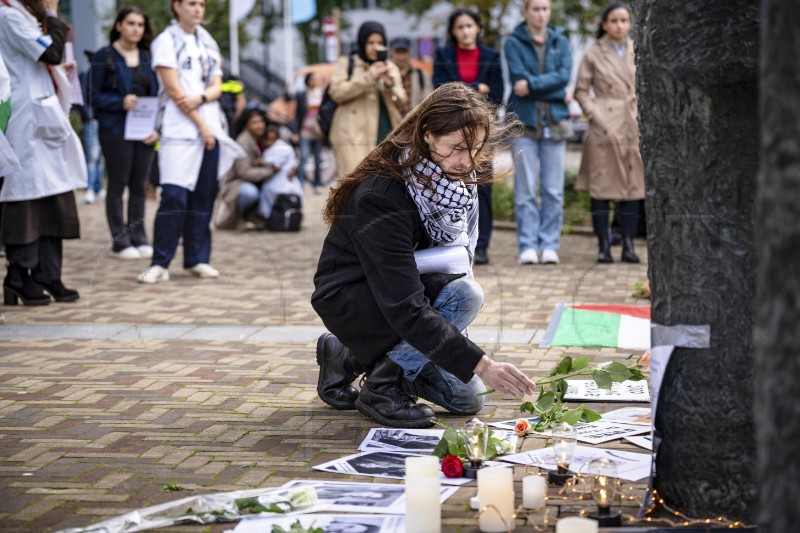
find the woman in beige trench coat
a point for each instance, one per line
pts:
(611, 166)
(369, 99)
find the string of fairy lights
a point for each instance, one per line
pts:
(575, 490)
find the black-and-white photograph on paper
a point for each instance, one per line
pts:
(645, 441)
(586, 390)
(600, 432)
(408, 440)
(353, 497)
(630, 415)
(384, 464)
(629, 465)
(330, 523)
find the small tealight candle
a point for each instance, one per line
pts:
(474, 503)
(426, 466)
(576, 524)
(496, 497)
(423, 505)
(533, 490)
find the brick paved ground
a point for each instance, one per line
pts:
(211, 384)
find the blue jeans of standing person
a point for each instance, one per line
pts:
(458, 303)
(94, 156)
(308, 147)
(249, 193)
(538, 227)
(187, 213)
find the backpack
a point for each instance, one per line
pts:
(328, 107)
(286, 213)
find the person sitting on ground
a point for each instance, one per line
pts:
(415, 191)
(280, 156)
(241, 186)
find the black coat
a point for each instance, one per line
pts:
(445, 69)
(369, 292)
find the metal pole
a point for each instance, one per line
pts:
(234, 37)
(288, 42)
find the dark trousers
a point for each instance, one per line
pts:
(628, 214)
(187, 213)
(129, 164)
(43, 257)
(484, 215)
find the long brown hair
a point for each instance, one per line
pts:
(36, 8)
(452, 107)
(147, 36)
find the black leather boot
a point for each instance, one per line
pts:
(337, 370)
(59, 292)
(19, 285)
(628, 253)
(384, 398)
(604, 249)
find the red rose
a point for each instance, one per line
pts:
(452, 466)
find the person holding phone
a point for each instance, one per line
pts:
(369, 92)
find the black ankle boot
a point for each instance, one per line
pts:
(337, 370)
(628, 253)
(604, 250)
(19, 285)
(384, 398)
(59, 292)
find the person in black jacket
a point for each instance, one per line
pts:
(465, 59)
(415, 191)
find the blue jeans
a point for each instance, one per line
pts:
(307, 146)
(94, 156)
(249, 193)
(538, 227)
(187, 213)
(458, 303)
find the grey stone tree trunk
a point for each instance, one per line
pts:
(777, 308)
(698, 113)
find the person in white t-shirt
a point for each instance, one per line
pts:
(280, 156)
(196, 150)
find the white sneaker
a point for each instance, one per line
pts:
(145, 250)
(154, 274)
(528, 257)
(204, 270)
(89, 196)
(101, 195)
(128, 253)
(549, 257)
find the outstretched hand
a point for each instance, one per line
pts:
(504, 377)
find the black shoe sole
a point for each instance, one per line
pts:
(342, 406)
(71, 298)
(366, 410)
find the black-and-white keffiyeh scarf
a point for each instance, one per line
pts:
(448, 209)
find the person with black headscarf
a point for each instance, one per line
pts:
(369, 93)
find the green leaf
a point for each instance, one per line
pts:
(546, 402)
(572, 416)
(441, 449)
(636, 374)
(616, 371)
(590, 415)
(602, 379)
(580, 363)
(563, 367)
(560, 389)
(527, 407)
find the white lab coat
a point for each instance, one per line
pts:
(39, 131)
(180, 154)
(8, 160)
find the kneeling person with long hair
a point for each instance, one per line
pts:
(416, 190)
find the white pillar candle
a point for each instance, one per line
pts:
(576, 524)
(496, 489)
(533, 490)
(427, 466)
(423, 505)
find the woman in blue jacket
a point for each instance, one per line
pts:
(539, 63)
(465, 59)
(121, 74)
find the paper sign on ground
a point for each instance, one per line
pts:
(414, 440)
(629, 465)
(140, 121)
(629, 415)
(511, 424)
(328, 522)
(586, 390)
(352, 497)
(384, 464)
(645, 441)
